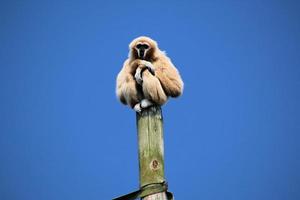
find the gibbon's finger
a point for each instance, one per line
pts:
(151, 70)
(146, 63)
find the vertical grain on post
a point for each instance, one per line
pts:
(151, 149)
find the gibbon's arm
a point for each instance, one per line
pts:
(168, 76)
(152, 89)
(126, 89)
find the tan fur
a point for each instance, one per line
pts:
(156, 88)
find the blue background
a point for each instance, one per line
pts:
(234, 134)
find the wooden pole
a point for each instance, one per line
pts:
(151, 149)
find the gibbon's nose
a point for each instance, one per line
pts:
(142, 52)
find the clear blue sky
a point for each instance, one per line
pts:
(233, 135)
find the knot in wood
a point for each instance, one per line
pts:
(154, 165)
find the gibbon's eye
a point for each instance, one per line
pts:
(142, 46)
(145, 46)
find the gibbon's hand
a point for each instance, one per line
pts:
(139, 71)
(149, 66)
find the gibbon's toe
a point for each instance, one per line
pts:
(137, 107)
(145, 103)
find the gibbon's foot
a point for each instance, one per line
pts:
(138, 76)
(149, 66)
(145, 103)
(137, 107)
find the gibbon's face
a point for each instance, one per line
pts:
(142, 49)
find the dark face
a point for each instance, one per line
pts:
(142, 49)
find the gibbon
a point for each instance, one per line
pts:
(148, 76)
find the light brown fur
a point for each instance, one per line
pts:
(157, 88)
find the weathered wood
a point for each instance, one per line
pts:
(158, 196)
(151, 149)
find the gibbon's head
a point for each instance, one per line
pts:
(143, 48)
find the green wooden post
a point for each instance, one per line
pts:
(151, 149)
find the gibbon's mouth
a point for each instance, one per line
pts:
(142, 54)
